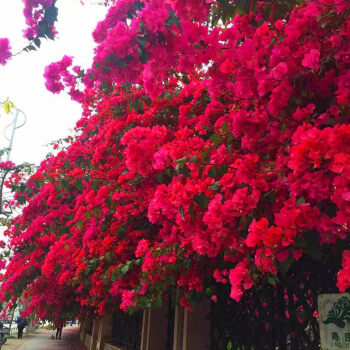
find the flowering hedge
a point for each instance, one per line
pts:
(214, 144)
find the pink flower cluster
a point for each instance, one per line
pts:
(34, 11)
(7, 165)
(5, 53)
(204, 153)
(58, 77)
(344, 274)
(39, 20)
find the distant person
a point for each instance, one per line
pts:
(59, 326)
(20, 326)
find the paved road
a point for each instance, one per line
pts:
(42, 341)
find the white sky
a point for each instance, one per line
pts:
(49, 116)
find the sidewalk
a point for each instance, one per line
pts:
(41, 340)
(15, 344)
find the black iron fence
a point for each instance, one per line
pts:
(171, 322)
(126, 330)
(279, 316)
(276, 314)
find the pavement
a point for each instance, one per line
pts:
(42, 340)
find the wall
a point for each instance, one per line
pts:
(191, 330)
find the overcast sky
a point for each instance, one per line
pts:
(49, 116)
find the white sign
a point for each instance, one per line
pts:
(334, 320)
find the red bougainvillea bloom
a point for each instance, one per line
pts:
(5, 53)
(205, 155)
(344, 274)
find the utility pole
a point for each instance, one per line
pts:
(13, 125)
(8, 107)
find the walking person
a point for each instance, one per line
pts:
(59, 326)
(20, 326)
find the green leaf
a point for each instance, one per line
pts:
(94, 184)
(121, 231)
(224, 127)
(200, 172)
(37, 42)
(324, 24)
(187, 263)
(181, 160)
(121, 63)
(223, 169)
(280, 174)
(202, 200)
(160, 178)
(300, 200)
(181, 210)
(191, 211)
(79, 225)
(185, 79)
(51, 14)
(21, 200)
(204, 155)
(137, 106)
(79, 185)
(96, 211)
(172, 20)
(147, 100)
(193, 159)
(65, 184)
(212, 173)
(243, 184)
(58, 268)
(141, 40)
(331, 121)
(138, 6)
(114, 276)
(180, 163)
(216, 138)
(229, 138)
(272, 280)
(215, 186)
(7, 295)
(4, 151)
(143, 55)
(124, 269)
